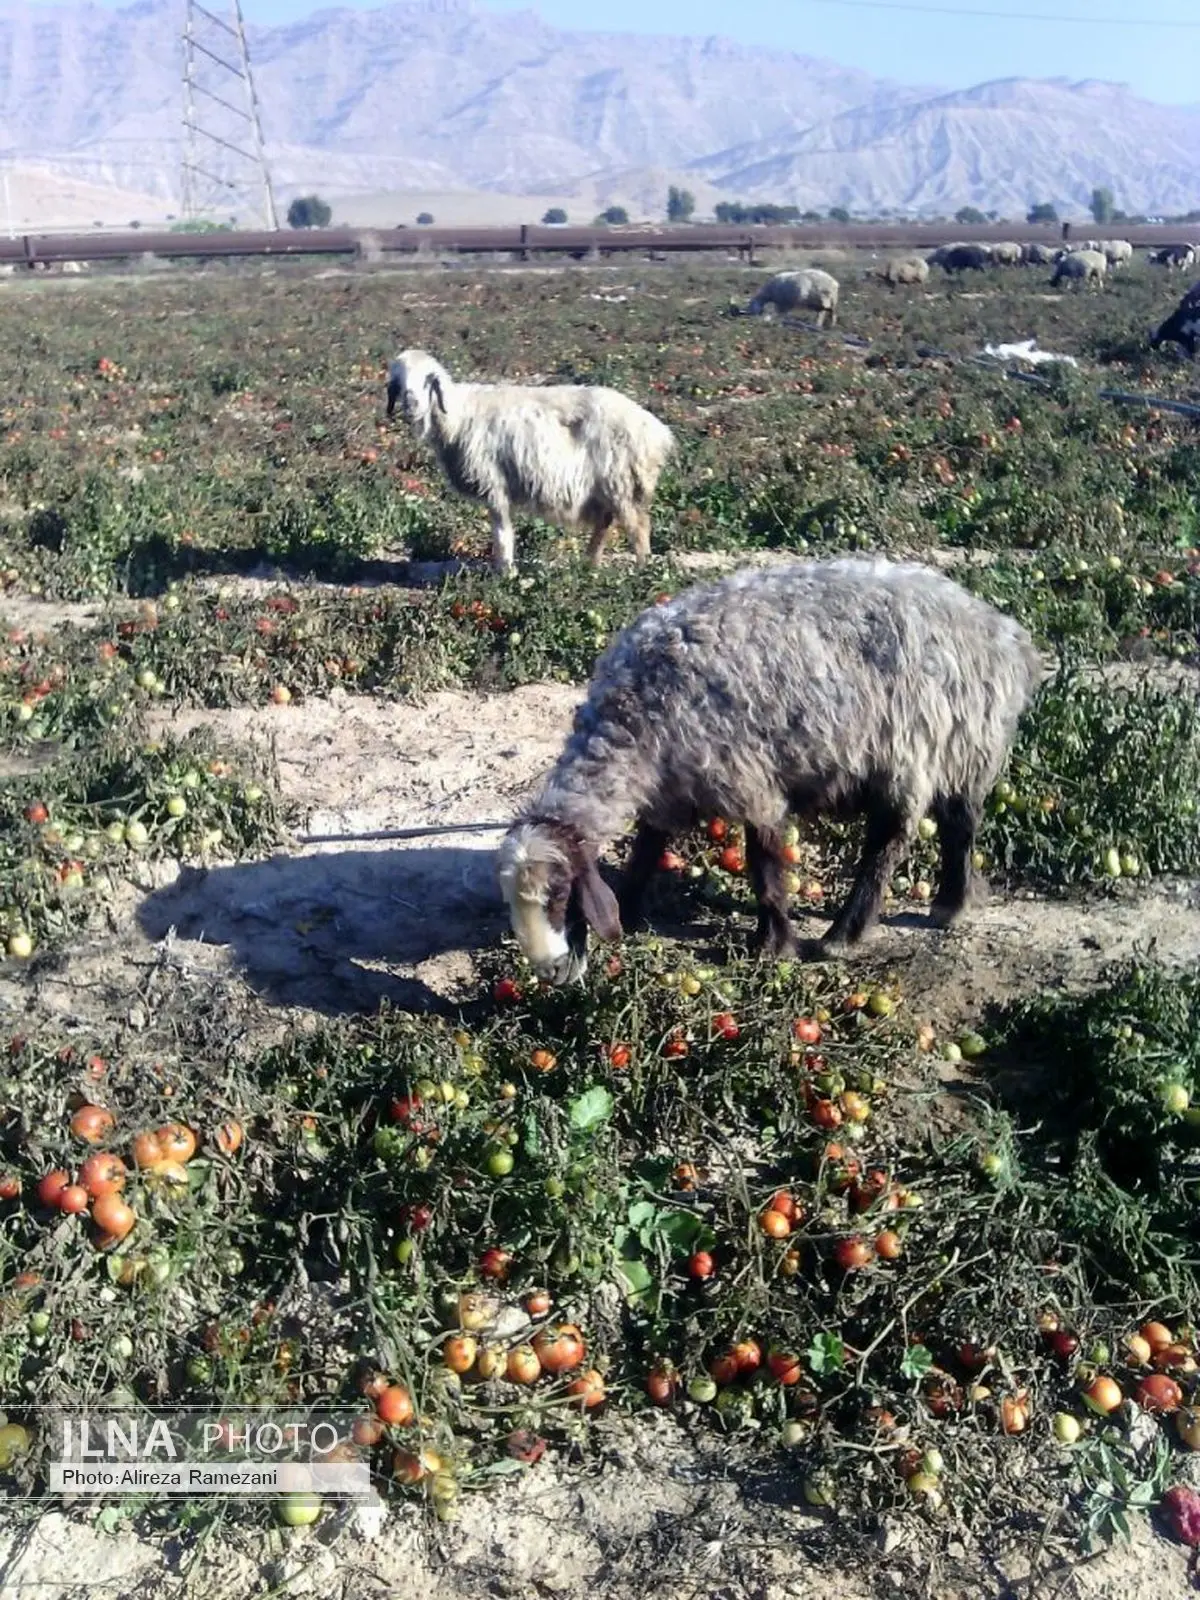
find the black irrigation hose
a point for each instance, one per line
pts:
(402, 833)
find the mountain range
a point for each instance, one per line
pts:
(439, 97)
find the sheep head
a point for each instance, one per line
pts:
(552, 885)
(420, 384)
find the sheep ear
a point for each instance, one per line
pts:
(597, 902)
(434, 385)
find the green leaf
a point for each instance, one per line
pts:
(591, 1108)
(642, 1213)
(826, 1354)
(637, 1277)
(917, 1361)
(681, 1230)
(531, 1136)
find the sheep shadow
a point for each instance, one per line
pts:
(340, 931)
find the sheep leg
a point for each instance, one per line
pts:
(957, 820)
(503, 542)
(638, 530)
(600, 531)
(765, 866)
(648, 845)
(888, 828)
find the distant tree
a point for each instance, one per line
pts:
(1101, 205)
(200, 225)
(1043, 211)
(308, 211)
(734, 211)
(613, 217)
(425, 219)
(555, 217)
(838, 214)
(810, 216)
(681, 203)
(968, 215)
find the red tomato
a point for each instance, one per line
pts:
(495, 1264)
(700, 1265)
(394, 1406)
(660, 1385)
(506, 992)
(852, 1253)
(724, 1369)
(784, 1367)
(178, 1142)
(806, 1030)
(888, 1245)
(717, 829)
(588, 1389)
(732, 859)
(784, 1203)
(72, 1198)
(51, 1186)
(147, 1150)
(1103, 1395)
(826, 1114)
(724, 1025)
(10, 1186)
(112, 1216)
(774, 1224)
(619, 1056)
(560, 1348)
(37, 813)
(92, 1124)
(1158, 1393)
(675, 1047)
(538, 1302)
(102, 1174)
(543, 1061)
(748, 1355)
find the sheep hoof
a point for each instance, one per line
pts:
(820, 950)
(772, 944)
(944, 915)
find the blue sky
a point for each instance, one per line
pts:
(913, 46)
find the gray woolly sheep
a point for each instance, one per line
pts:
(1006, 254)
(953, 258)
(579, 456)
(904, 270)
(811, 288)
(1081, 266)
(1040, 255)
(1182, 327)
(844, 687)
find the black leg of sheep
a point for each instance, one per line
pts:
(957, 819)
(768, 878)
(648, 845)
(888, 831)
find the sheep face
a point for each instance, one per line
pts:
(554, 892)
(420, 385)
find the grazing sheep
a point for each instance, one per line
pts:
(579, 456)
(1182, 327)
(1040, 255)
(904, 270)
(811, 288)
(1081, 266)
(849, 686)
(1117, 252)
(1175, 257)
(1007, 254)
(954, 258)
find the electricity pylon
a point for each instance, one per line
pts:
(220, 174)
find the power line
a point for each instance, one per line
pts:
(1012, 16)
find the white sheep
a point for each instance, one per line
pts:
(578, 455)
(1117, 252)
(815, 290)
(1082, 266)
(905, 270)
(1040, 255)
(1007, 254)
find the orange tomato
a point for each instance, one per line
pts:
(102, 1174)
(228, 1138)
(774, 1224)
(588, 1389)
(523, 1365)
(459, 1352)
(92, 1124)
(178, 1142)
(112, 1216)
(888, 1245)
(394, 1406)
(147, 1150)
(560, 1348)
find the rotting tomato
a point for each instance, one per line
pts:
(559, 1348)
(1103, 1395)
(147, 1150)
(774, 1224)
(112, 1216)
(807, 1030)
(748, 1355)
(889, 1246)
(394, 1406)
(495, 1264)
(459, 1353)
(619, 1056)
(538, 1302)
(723, 1369)
(51, 1186)
(523, 1365)
(10, 1186)
(588, 1388)
(784, 1367)
(1158, 1393)
(852, 1253)
(1014, 1412)
(102, 1174)
(92, 1124)
(661, 1383)
(543, 1061)
(228, 1138)
(177, 1141)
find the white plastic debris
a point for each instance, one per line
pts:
(1026, 350)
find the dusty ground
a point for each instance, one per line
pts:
(335, 927)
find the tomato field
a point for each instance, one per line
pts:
(901, 1248)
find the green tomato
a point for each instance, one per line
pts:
(500, 1163)
(298, 1510)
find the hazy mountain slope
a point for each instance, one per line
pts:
(439, 96)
